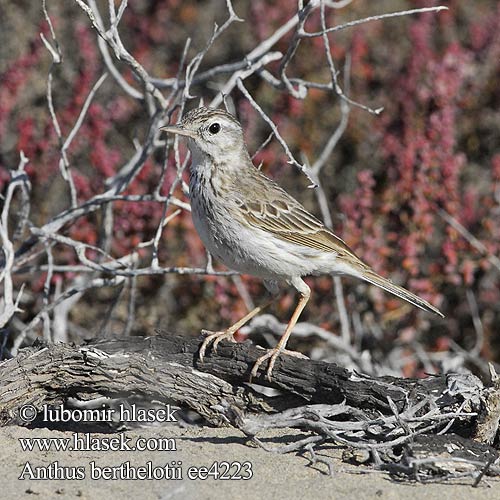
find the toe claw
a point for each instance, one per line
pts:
(216, 343)
(272, 355)
(214, 338)
(271, 366)
(256, 366)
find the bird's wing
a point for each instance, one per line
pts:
(281, 215)
(284, 217)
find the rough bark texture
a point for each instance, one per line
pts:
(167, 367)
(377, 418)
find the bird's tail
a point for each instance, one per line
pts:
(398, 291)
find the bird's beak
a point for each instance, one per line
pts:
(179, 130)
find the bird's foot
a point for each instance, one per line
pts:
(214, 337)
(272, 355)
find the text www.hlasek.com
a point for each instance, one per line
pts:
(127, 470)
(87, 442)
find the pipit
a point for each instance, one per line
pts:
(255, 227)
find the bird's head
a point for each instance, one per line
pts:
(211, 132)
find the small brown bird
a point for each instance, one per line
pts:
(253, 226)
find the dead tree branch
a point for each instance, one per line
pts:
(376, 414)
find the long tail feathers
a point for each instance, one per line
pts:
(399, 291)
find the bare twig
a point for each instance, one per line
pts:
(478, 325)
(10, 306)
(268, 120)
(480, 247)
(333, 71)
(57, 59)
(350, 24)
(68, 293)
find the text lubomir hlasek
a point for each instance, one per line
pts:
(124, 413)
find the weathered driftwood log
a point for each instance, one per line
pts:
(372, 413)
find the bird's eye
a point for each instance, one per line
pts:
(214, 128)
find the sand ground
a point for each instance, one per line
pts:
(273, 476)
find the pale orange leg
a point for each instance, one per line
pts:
(228, 334)
(272, 354)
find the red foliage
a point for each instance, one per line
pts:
(423, 170)
(14, 79)
(425, 162)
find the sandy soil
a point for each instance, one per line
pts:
(273, 476)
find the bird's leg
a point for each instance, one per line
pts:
(228, 334)
(272, 354)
